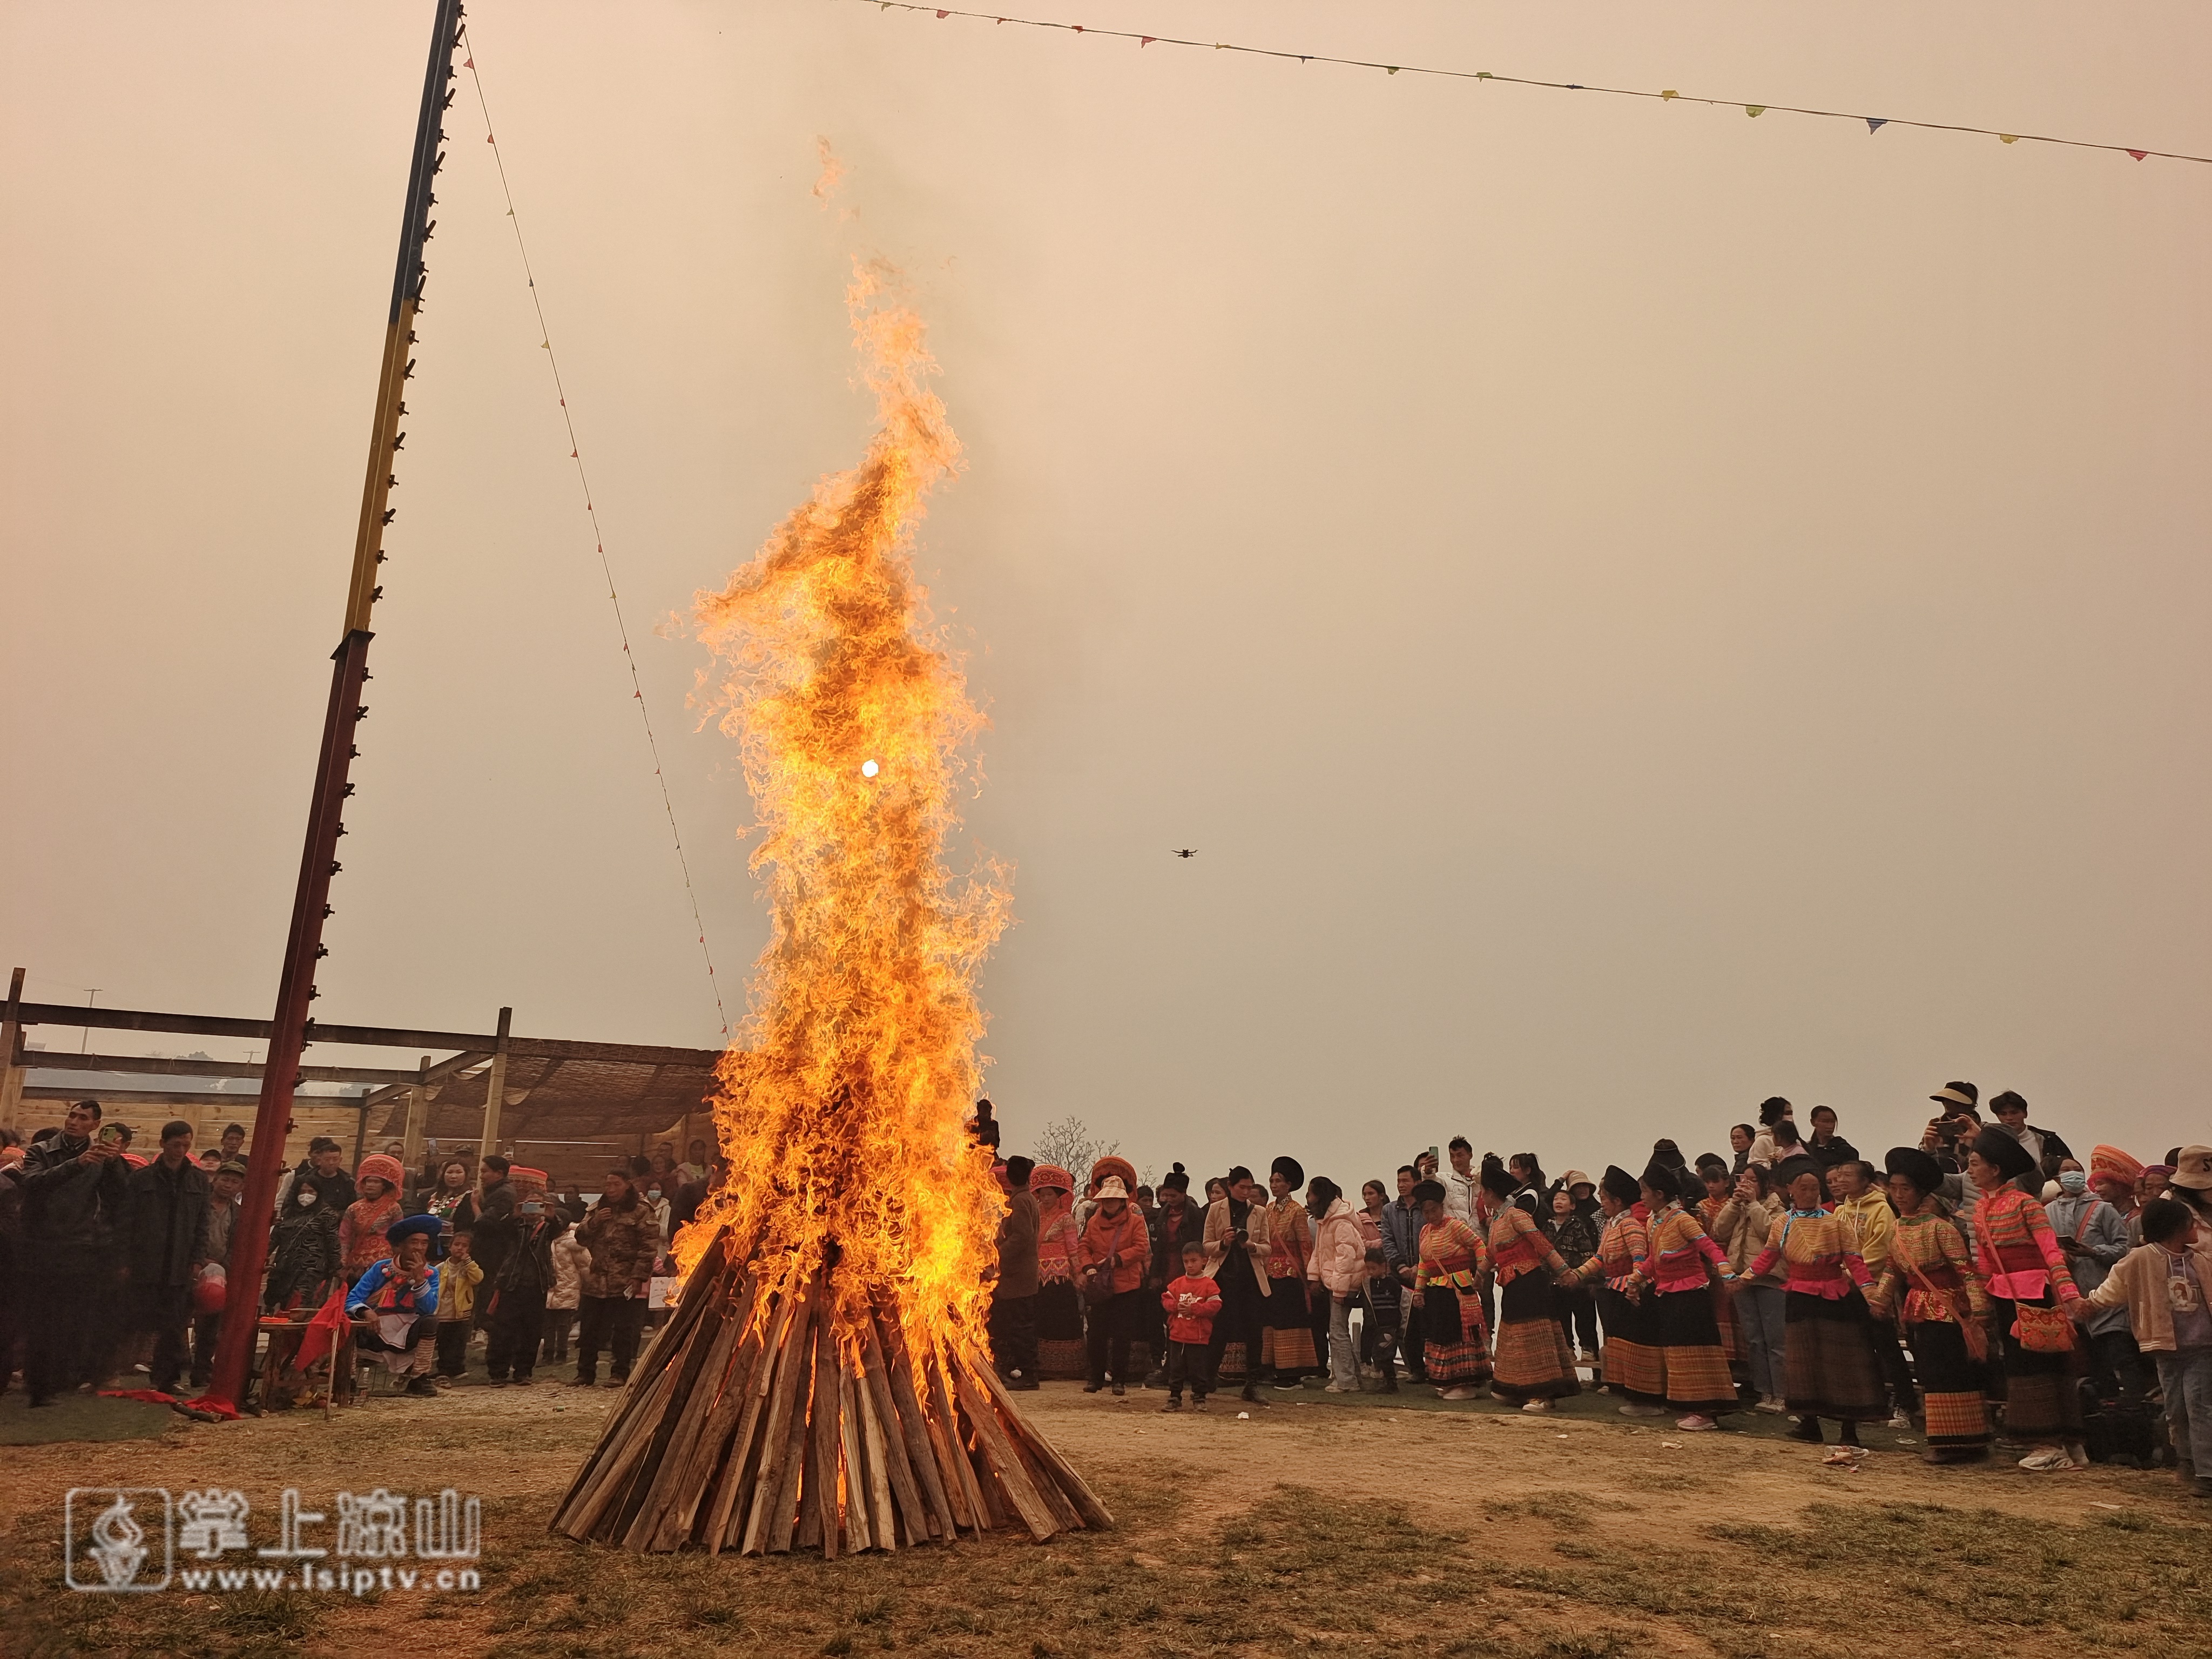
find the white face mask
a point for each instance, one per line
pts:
(305, 1199)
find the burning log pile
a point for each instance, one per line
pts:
(824, 1380)
(802, 1418)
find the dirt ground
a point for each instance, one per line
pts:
(1364, 1523)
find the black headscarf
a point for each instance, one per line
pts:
(1791, 1168)
(1496, 1179)
(1664, 1179)
(1618, 1183)
(1291, 1169)
(1426, 1192)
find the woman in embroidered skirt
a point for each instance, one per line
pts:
(1829, 1368)
(1714, 1189)
(1930, 1278)
(1286, 1341)
(1630, 1368)
(1534, 1365)
(1061, 1353)
(2025, 1271)
(1680, 1259)
(1455, 1263)
(361, 1229)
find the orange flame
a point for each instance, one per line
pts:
(842, 1112)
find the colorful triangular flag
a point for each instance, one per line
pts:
(1754, 111)
(1146, 40)
(468, 62)
(488, 138)
(1669, 93)
(2138, 153)
(2008, 138)
(1876, 123)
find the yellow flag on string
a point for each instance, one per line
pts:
(1393, 68)
(1670, 93)
(2008, 138)
(1754, 111)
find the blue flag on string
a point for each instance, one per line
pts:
(1876, 123)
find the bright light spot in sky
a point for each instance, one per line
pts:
(868, 769)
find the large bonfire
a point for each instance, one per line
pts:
(824, 1382)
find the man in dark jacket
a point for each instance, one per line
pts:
(166, 1230)
(325, 1161)
(1014, 1295)
(517, 1296)
(74, 1191)
(493, 1230)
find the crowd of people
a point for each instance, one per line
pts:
(113, 1262)
(1984, 1284)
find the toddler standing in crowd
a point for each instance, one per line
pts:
(1192, 1302)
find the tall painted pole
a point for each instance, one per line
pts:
(318, 862)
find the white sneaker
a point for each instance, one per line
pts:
(1770, 1403)
(1338, 1387)
(1536, 1406)
(2050, 1458)
(1901, 1421)
(1693, 1423)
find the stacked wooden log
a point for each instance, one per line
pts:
(812, 1422)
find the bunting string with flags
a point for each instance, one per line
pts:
(1874, 124)
(598, 536)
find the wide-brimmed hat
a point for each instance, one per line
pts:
(1113, 1186)
(1575, 1178)
(1999, 1148)
(1958, 1094)
(2193, 1170)
(1916, 1166)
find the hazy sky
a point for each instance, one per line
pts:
(1638, 609)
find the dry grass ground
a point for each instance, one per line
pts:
(1351, 1525)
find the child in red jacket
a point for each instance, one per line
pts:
(1192, 1301)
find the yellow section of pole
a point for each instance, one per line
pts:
(382, 447)
(496, 1090)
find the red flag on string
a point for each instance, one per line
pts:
(2138, 153)
(488, 138)
(572, 454)
(468, 62)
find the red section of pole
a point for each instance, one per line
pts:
(288, 1037)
